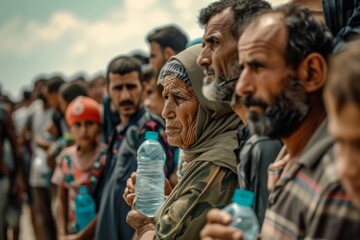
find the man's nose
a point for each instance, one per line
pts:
(125, 93)
(204, 58)
(245, 85)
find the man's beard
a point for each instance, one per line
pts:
(283, 116)
(221, 88)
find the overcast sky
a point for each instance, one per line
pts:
(72, 37)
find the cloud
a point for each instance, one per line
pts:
(122, 27)
(69, 43)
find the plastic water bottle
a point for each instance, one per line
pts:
(243, 216)
(150, 176)
(84, 208)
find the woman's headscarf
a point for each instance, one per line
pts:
(216, 122)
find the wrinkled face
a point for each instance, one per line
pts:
(154, 100)
(218, 58)
(344, 127)
(125, 92)
(180, 111)
(85, 133)
(157, 57)
(267, 86)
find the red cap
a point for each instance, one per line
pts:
(83, 108)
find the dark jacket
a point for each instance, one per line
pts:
(254, 154)
(343, 19)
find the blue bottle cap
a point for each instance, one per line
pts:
(243, 197)
(151, 135)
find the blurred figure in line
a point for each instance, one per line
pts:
(343, 104)
(165, 42)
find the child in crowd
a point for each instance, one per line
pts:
(80, 164)
(343, 105)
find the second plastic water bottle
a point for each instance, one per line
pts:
(243, 215)
(150, 177)
(84, 208)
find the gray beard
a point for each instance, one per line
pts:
(221, 88)
(214, 91)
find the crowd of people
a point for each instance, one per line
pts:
(266, 101)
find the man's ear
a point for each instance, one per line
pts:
(313, 72)
(168, 52)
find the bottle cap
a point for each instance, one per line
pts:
(151, 135)
(83, 189)
(243, 197)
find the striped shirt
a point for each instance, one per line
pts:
(309, 201)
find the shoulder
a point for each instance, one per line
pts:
(68, 153)
(202, 174)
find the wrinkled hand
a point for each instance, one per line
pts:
(129, 193)
(140, 222)
(217, 227)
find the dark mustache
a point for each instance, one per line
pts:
(251, 101)
(126, 103)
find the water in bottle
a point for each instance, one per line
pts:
(84, 208)
(150, 176)
(243, 215)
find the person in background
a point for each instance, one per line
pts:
(53, 128)
(96, 88)
(342, 102)
(40, 114)
(126, 90)
(78, 165)
(40, 173)
(165, 41)
(153, 99)
(17, 186)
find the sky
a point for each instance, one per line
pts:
(79, 37)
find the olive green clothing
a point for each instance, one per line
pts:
(204, 186)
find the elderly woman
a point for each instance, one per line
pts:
(206, 132)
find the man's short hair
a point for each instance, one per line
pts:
(69, 91)
(54, 83)
(244, 11)
(305, 34)
(123, 65)
(344, 76)
(169, 36)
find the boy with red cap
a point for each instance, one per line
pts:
(80, 164)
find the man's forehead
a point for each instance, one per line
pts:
(220, 21)
(268, 30)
